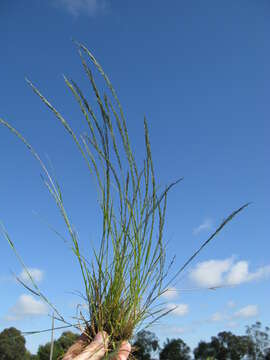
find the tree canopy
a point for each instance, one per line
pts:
(12, 345)
(60, 346)
(224, 346)
(259, 338)
(175, 349)
(145, 343)
(254, 345)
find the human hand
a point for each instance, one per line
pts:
(95, 350)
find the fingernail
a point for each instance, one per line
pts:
(124, 350)
(126, 345)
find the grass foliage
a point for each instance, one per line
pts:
(127, 273)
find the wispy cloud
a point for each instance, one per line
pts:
(26, 306)
(85, 7)
(170, 294)
(239, 273)
(207, 224)
(178, 309)
(36, 274)
(226, 272)
(247, 312)
(218, 316)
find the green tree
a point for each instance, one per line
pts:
(44, 351)
(259, 338)
(145, 343)
(204, 351)
(59, 348)
(29, 356)
(224, 346)
(267, 354)
(175, 349)
(12, 345)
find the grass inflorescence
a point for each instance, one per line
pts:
(127, 273)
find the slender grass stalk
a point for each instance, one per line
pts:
(127, 273)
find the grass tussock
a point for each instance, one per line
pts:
(127, 273)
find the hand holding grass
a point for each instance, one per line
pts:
(128, 271)
(96, 349)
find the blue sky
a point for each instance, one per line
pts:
(199, 71)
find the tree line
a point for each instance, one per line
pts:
(254, 345)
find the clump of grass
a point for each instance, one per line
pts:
(127, 273)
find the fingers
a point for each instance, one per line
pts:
(76, 348)
(124, 351)
(96, 350)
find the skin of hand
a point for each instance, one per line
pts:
(95, 350)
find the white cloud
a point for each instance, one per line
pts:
(207, 224)
(26, 306)
(86, 7)
(210, 273)
(178, 309)
(247, 312)
(36, 274)
(232, 317)
(170, 294)
(239, 273)
(216, 317)
(226, 273)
